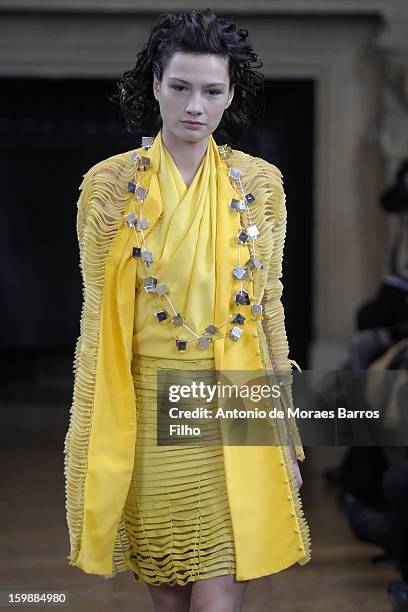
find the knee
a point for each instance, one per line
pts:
(169, 604)
(224, 598)
(170, 599)
(223, 606)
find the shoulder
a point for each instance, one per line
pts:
(104, 188)
(110, 169)
(258, 165)
(264, 180)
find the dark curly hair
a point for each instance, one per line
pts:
(194, 32)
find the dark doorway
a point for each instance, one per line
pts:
(52, 132)
(286, 139)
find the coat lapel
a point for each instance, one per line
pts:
(113, 432)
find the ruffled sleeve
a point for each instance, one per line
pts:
(274, 314)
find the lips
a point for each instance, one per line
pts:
(193, 122)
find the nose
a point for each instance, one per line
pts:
(194, 104)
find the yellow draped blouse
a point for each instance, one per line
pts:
(184, 255)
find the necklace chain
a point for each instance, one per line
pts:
(247, 236)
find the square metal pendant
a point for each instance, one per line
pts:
(147, 257)
(141, 193)
(131, 219)
(212, 330)
(236, 332)
(239, 319)
(250, 198)
(131, 187)
(240, 273)
(161, 289)
(136, 251)
(147, 141)
(144, 162)
(243, 237)
(204, 342)
(253, 232)
(161, 315)
(254, 263)
(237, 205)
(181, 345)
(234, 173)
(134, 157)
(225, 151)
(177, 320)
(242, 297)
(149, 284)
(256, 308)
(143, 224)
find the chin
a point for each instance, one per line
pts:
(192, 136)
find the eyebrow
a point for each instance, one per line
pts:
(187, 83)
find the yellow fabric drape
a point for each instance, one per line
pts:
(269, 529)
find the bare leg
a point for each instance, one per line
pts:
(218, 594)
(168, 598)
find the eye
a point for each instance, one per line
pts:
(217, 92)
(177, 87)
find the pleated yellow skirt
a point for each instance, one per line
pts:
(176, 514)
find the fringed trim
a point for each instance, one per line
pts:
(297, 501)
(296, 364)
(271, 217)
(100, 209)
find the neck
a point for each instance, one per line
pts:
(187, 155)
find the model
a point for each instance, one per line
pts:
(181, 245)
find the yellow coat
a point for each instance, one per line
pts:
(270, 531)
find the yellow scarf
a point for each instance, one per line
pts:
(184, 256)
(253, 472)
(194, 243)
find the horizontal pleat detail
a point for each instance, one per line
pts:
(177, 514)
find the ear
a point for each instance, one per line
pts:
(156, 87)
(230, 96)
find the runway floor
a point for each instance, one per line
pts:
(340, 577)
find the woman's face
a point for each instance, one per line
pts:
(194, 87)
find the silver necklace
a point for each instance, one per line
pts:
(247, 235)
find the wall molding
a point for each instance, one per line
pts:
(321, 7)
